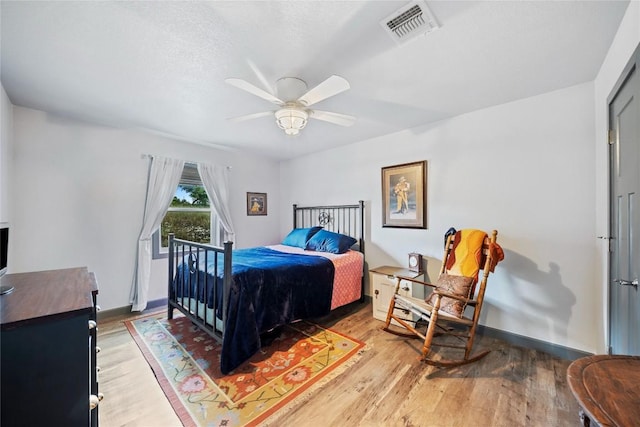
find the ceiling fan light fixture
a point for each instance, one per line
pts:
(291, 120)
(293, 112)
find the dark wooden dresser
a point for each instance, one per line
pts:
(48, 373)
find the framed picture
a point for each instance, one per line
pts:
(404, 195)
(256, 204)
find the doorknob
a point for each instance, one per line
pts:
(623, 282)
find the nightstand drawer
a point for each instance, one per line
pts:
(387, 280)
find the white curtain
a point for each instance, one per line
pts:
(164, 177)
(216, 181)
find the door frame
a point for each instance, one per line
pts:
(632, 64)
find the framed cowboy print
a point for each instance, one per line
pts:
(404, 195)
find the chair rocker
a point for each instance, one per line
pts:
(451, 308)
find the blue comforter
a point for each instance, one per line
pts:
(269, 289)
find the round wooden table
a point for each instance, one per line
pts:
(607, 389)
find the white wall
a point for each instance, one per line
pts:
(625, 42)
(523, 168)
(6, 154)
(79, 198)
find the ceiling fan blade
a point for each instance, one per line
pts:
(335, 118)
(330, 87)
(246, 86)
(261, 77)
(250, 116)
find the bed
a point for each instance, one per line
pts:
(239, 296)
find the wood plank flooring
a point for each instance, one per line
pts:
(388, 386)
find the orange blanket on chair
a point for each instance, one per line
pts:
(497, 255)
(466, 257)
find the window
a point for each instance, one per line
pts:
(189, 217)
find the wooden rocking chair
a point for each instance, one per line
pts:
(453, 307)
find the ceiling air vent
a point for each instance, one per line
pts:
(410, 21)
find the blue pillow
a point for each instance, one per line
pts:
(298, 237)
(326, 241)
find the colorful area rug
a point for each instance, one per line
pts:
(185, 361)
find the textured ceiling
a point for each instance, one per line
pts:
(160, 66)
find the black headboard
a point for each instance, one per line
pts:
(343, 219)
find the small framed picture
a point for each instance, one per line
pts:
(256, 204)
(404, 195)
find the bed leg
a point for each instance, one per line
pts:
(170, 291)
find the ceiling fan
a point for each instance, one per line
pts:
(294, 99)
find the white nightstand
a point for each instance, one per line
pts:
(383, 285)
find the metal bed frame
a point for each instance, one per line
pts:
(344, 219)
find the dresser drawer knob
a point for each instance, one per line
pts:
(92, 324)
(95, 400)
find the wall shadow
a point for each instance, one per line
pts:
(536, 290)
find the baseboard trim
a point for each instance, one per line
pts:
(532, 343)
(123, 311)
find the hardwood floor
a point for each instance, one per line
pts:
(388, 386)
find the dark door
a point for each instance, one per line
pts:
(624, 180)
